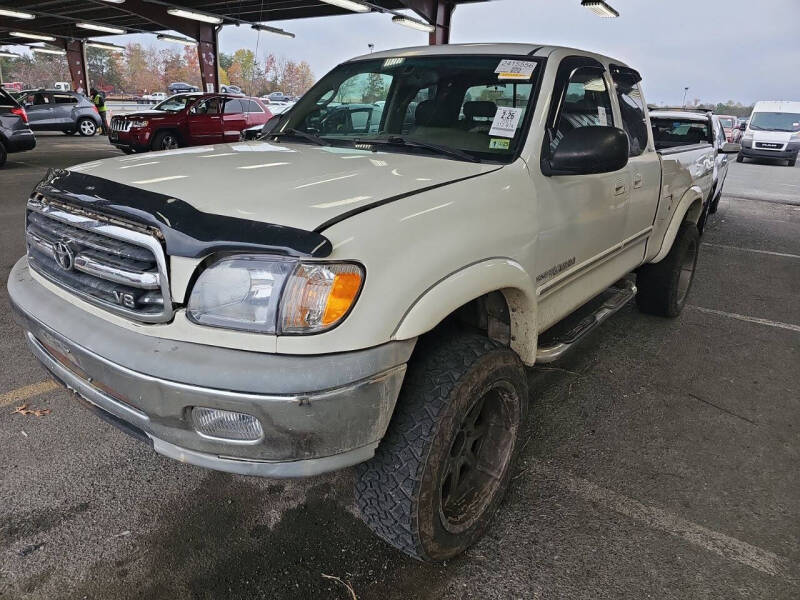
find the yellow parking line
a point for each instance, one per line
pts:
(28, 391)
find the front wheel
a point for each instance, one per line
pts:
(739, 158)
(791, 162)
(443, 467)
(165, 140)
(664, 286)
(87, 127)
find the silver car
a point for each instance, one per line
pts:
(56, 110)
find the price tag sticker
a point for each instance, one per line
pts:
(505, 122)
(515, 69)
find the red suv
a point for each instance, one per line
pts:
(187, 120)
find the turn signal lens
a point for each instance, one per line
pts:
(318, 296)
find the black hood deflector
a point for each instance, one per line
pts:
(187, 231)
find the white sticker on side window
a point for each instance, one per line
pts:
(505, 122)
(601, 115)
(515, 69)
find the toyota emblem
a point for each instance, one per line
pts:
(64, 256)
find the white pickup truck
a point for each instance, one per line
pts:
(344, 292)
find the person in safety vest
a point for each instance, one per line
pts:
(99, 101)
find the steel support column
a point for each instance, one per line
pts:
(443, 14)
(208, 54)
(76, 60)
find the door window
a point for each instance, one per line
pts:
(65, 99)
(634, 120)
(233, 106)
(209, 106)
(586, 103)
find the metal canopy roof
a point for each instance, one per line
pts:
(59, 17)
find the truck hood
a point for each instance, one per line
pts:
(295, 185)
(146, 114)
(781, 137)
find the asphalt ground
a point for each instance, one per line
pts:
(660, 458)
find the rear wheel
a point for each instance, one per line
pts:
(165, 140)
(443, 467)
(664, 286)
(3, 154)
(87, 127)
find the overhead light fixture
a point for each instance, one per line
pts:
(103, 28)
(274, 30)
(48, 50)
(164, 37)
(600, 8)
(413, 23)
(349, 5)
(16, 14)
(4, 54)
(195, 16)
(32, 36)
(106, 46)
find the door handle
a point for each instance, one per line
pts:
(619, 189)
(637, 181)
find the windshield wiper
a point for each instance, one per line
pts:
(399, 141)
(302, 134)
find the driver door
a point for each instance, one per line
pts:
(581, 217)
(205, 122)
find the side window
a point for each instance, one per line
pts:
(209, 106)
(586, 102)
(252, 106)
(65, 99)
(634, 121)
(233, 107)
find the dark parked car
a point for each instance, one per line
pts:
(56, 110)
(15, 135)
(187, 120)
(179, 87)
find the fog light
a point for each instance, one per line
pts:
(226, 424)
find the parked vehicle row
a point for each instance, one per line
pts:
(367, 295)
(187, 120)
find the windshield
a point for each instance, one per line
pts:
(775, 121)
(174, 103)
(473, 104)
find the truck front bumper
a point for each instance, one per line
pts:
(789, 152)
(318, 413)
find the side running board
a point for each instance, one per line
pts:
(617, 296)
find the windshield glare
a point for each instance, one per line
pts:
(460, 102)
(173, 103)
(775, 121)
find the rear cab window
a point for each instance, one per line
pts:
(669, 132)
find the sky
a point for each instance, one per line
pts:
(743, 50)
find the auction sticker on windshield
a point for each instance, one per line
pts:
(505, 122)
(515, 69)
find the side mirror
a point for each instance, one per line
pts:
(730, 148)
(587, 150)
(742, 126)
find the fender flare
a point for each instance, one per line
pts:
(471, 282)
(693, 196)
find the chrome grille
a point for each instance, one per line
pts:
(769, 145)
(108, 262)
(120, 124)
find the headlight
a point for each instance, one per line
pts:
(138, 124)
(269, 294)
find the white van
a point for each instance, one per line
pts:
(772, 132)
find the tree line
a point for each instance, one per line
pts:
(142, 69)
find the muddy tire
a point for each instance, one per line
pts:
(443, 467)
(664, 286)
